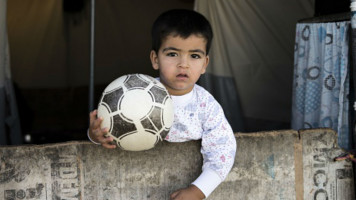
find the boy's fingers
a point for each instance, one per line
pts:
(99, 132)
(105, 139)
(104, 131)
(92, 115)
(107, 143)
(97, 122)
(93, 119)
(174, 194)
(96, 132)
(109, 146)
(94, 125)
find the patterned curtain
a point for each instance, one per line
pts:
(321, 78)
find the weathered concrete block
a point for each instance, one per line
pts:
(269, 165)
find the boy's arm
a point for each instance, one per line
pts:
(97, 134)
(218, 150)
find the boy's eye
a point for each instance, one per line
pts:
(171, 54)
(196, 56)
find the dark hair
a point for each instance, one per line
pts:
(183, 23)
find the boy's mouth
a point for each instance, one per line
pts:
(182, 75)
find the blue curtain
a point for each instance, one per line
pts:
(321, 78)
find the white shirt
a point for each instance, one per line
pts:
(197, 115)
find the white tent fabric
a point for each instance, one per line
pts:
(253, 48)
(10, 130)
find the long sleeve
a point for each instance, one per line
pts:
(218, 148)
(199, 116)
(218, 141)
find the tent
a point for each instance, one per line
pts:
(251, 58)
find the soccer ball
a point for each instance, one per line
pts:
(137, 110)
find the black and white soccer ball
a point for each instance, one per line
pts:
(137, 110)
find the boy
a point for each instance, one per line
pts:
(181, 41)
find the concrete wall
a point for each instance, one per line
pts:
(269, 165)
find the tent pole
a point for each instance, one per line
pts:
(91, 83)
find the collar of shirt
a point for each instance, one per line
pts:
(179, 101)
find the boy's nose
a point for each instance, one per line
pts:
(184, 62)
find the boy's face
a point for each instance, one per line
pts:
(180, 62)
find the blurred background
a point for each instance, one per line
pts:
(49, 58)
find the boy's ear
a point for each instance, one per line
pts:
(205, 65)
(154, 60)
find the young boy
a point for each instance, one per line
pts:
(181, 41)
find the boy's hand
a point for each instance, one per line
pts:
(97, 134)
(190, 193)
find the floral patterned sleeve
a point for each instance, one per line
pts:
(218, 140)
(199, 116)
